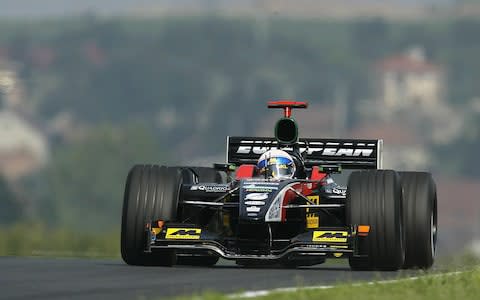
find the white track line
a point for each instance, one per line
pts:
(259, 293)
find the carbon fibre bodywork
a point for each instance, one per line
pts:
(260, 220)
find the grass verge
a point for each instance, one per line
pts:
(37, 240)
(464, 285)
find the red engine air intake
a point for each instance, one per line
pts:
(287, 106)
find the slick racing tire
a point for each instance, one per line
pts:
(151, 193)
(375, 198)
(201, 175)
(419, 219)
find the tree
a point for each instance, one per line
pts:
(10, 209)
(370, 38)
(83, 186)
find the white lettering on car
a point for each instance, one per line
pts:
(210, 188)
(330, 151)
(253, 209)
(256, 196)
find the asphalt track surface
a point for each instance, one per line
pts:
(41, 278)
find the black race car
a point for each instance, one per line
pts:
(382, 220)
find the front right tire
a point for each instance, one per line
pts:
(151, 194)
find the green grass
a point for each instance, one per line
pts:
(37, 240)
(465, 285)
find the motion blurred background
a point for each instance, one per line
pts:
(88, 88)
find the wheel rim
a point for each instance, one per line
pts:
(433, 233)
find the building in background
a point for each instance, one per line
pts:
(10, 91)
(408, 109)
(408, 80)
(410, 88)
(23, 147)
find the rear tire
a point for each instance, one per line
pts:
(419, 219)
(151, 193)
(375, 198)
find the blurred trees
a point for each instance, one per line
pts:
(463, 66)
(116, 70)
(83, 186)
(10, 207)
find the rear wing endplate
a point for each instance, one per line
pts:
(348, 153)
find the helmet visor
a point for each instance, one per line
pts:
(277, 167)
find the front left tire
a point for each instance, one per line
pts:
(374, 198)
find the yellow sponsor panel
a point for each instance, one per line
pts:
(338, 255)
(312, 221)
(183, 233)
(330, 236)
(314, 199)
(156, 230)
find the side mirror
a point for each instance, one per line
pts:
(331, 169)
(286, 131)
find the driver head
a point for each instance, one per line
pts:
(276, 164)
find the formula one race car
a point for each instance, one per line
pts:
(275, 202)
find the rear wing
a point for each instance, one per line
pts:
(348, 153)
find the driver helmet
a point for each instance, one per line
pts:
(276, 164)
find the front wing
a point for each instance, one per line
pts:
(190, 240)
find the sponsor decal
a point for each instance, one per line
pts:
(263, 186)
(210, 188)
(255, 182)
(254, 202)
(313, 221)
(342, 192)
(260, 190)
(315, 199)
(314, 246)
(253, 209)
(183, 233)
(330, 236)
(331, 149)
(256, 196)
(156, 231)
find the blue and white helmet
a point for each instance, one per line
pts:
(276, 164)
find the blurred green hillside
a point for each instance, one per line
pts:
(166, 90)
